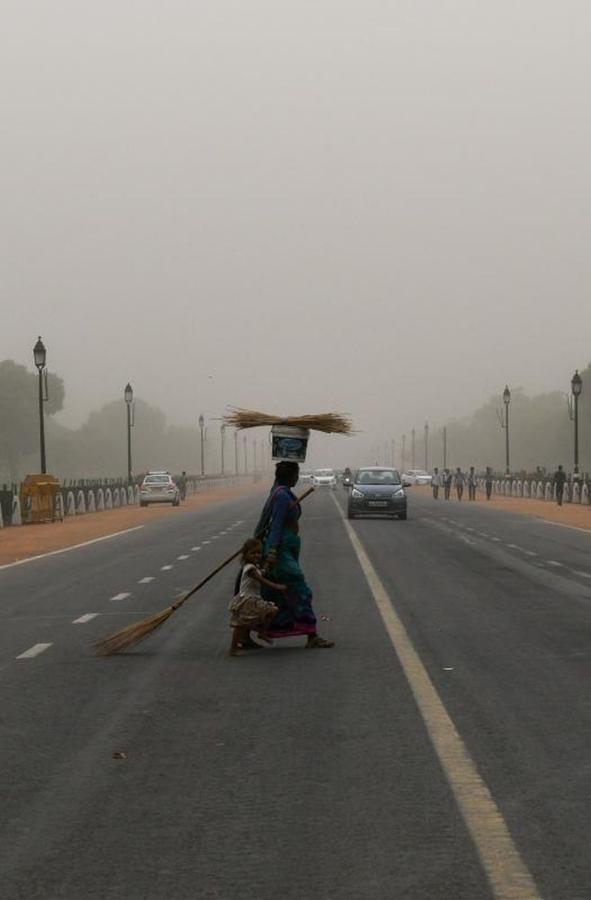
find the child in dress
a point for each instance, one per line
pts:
(248, 609)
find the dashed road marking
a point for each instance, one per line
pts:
(582, 574)
(506, 871)
(496, 539)
(195, 549)
(146, 580)
(165, 568)
(121, 596)
(85, 618)
(182, 557)
(552, 562)
(514, 546)
(33, 651)
(207, 542)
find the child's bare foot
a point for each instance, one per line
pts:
(263, 637)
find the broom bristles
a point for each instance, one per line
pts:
(329, 423)
(132, 634)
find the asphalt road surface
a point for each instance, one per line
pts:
(440, 750)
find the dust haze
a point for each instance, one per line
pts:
(379, 208)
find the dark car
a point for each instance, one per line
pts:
(377, 491)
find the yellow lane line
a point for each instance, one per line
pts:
(506, 871)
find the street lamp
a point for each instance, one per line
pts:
(413, 454)
(403, 453)
(576, 387)
(245, 456)
(507, 401)
(236, 451)
(223, 435)
(40, 355)
(202, 430)
(128, 395)
(426, 446)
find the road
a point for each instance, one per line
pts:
(440, 750)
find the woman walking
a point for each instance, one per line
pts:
(279, 523)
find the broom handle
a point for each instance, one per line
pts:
(227, 561)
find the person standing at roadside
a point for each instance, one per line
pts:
(459, 480)
(472, 484)
(447, 480)
(488, 482)
(435, 482)
(558, 481)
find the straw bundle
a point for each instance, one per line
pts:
(329, 423)
(133, 634)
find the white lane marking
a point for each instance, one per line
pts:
(466, 540)
(223, 532)
(106, 537)
(495, 539)
(562, 525)
(483, 534)
(582, 574)
(529, 552)
(507, 873)
(552, 562)
(215, 537)
(195, 549)
(467, 527)
(35, 650)
(165, 568)
(85, 618)
(121, 596)
(207, 542)
(513, 546)
(182, 557)
(146, 580)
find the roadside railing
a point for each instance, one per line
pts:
(89, 495)
(576, 490)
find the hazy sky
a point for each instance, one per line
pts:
(364, 205)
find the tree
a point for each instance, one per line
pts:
(19, 413)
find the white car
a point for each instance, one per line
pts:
(324, 478)
(416, 476)
(159, 487)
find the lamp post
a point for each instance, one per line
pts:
(40, 355)
(444, 447)
(202, 430)
(413, 454)
(222, 438)
(393, 443)
(236, 451)
(128, 396)
(403, 453)
(426, 446)
(507, 401)
(245, 455)
(576, 387)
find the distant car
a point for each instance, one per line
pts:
(305, 476)
(324, 478)
(377, 491)
(159, 487)
(416, 476)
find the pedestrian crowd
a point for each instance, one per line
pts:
(458, 480)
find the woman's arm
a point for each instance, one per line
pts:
(279, 508)
(258, 576)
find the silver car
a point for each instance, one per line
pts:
(324, 478)
(159, 487)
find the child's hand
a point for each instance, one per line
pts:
(282, 587)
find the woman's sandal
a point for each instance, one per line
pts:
(314, 640)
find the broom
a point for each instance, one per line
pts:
(138, 631)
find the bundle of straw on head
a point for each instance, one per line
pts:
(329, 423)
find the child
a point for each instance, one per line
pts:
(248, 609)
